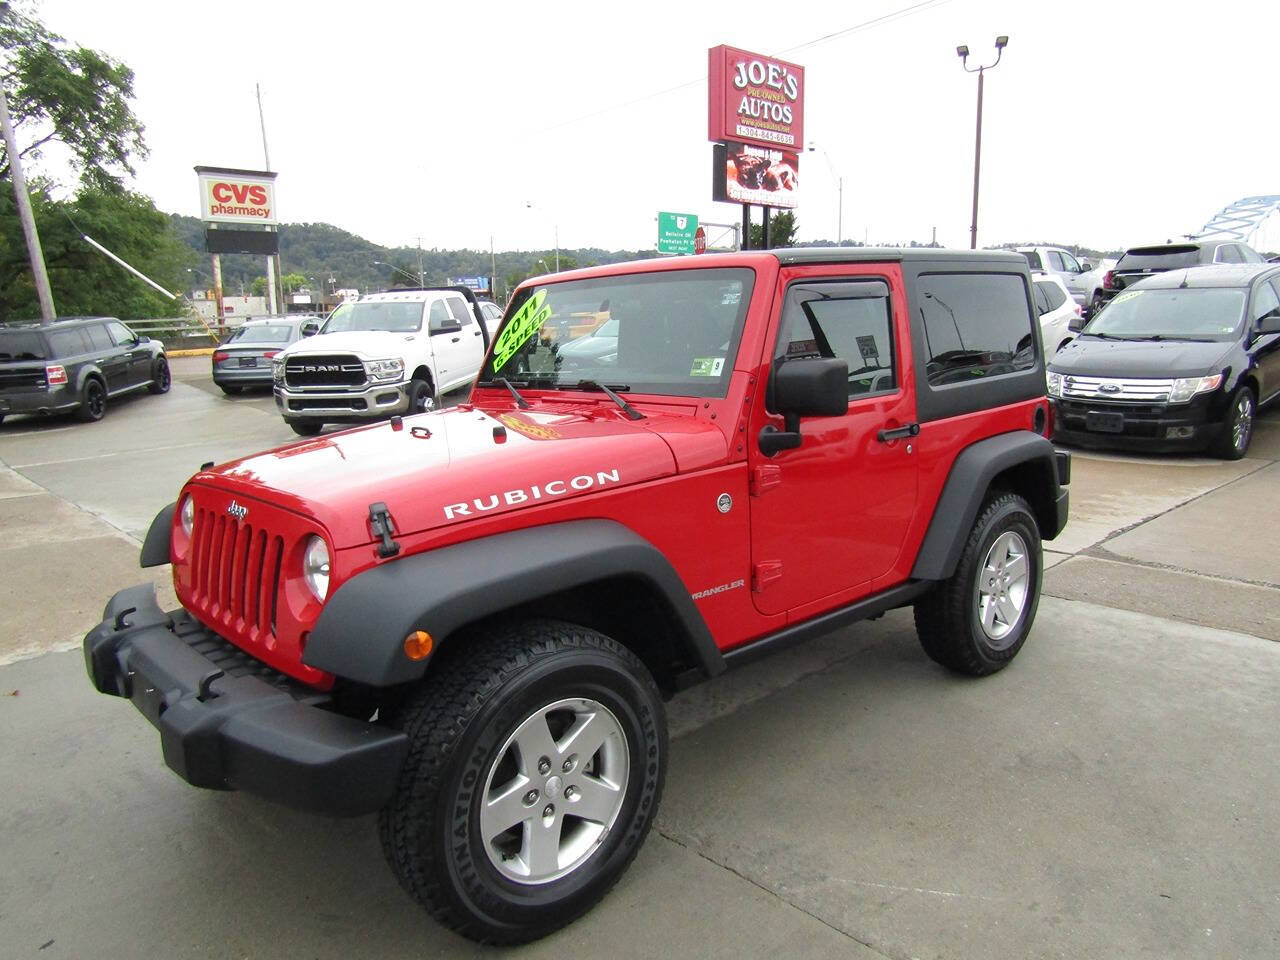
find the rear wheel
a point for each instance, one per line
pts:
(977, 621)
(229, 390)
(535, 767)
(93, 401)
(160, 379)
(306, 428)
(1237, 429)
(1096, 304)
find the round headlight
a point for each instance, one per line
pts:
(188, 515)
(315, 567)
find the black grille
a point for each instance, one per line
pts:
(324, 371)
(22, 380)
(358, 403)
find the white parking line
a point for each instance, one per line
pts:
(104, 456)
(34, 433)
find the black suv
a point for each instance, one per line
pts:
(1180, 360)
(1140, 262)
(75, 364)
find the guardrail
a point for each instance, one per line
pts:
(184, 332)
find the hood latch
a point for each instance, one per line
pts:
(383, 526)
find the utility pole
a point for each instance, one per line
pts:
(23, 202)
(275, 282)
(422, 277)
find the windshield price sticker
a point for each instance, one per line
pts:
(527, 321)
(1128, 295)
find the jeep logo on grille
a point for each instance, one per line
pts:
(322, 368)
(237, 511)
(1109, 388)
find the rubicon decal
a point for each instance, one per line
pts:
(531, 494)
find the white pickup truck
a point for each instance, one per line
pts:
(384, 354)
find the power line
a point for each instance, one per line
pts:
(893, 15)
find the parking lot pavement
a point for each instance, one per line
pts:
(1112, 793)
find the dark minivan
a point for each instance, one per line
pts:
(1180, 360)
(75, 365)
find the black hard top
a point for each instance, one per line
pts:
(1210, 275)
(801, 255)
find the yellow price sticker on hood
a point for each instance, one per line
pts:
(528, 320)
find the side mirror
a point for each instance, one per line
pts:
(310, 329)
(143, 338)
(1076, 324)
(1269, 322)
(804, 388)
(448, 325)
(1085, 266)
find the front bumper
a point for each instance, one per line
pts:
(372, 402)
(228, 722)
(1154, 428)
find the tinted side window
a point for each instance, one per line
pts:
(1053, 294)
(98, 337)
(1071, 264)
(849, 320)
(460, 311)
(1040, 297)
(1264, 301)
(438, 313)
(1055, 260)
(120, 333)
(975, 325)
(68, 343)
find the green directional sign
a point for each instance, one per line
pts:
(676, 232)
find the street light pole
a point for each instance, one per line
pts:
(963, 52)
(839, 189)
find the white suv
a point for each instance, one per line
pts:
(383, 354)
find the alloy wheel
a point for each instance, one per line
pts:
(1242, 422)
(1003, 586)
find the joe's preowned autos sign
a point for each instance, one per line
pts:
(755, 99)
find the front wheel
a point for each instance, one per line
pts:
(160, 378)
(421, 397)
(536, 763)
(976, 621)
(1237, 428)
(306, 428)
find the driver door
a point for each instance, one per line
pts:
(831, 516)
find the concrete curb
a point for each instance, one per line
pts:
(193, 352)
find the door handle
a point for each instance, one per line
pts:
(898, 433)
(475, 333)
(455, 339)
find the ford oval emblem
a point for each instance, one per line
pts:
(1109, 388)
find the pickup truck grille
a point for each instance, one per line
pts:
(1117, 389)
(235, 574)
(22, 380)
(340, 371)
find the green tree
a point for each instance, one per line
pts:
(70, 95)
(292, 281)
(84, 280)
(782, 231)
(257, 287)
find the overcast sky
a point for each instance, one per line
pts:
(1106, 123)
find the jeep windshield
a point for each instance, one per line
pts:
(674, 333)
(1205, 313)
(21, 345)
(394, 316)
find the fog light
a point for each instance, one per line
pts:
(1180, 433)
(417, 645)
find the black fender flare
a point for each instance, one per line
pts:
(155, 548)
(966, 487)
(361, 630)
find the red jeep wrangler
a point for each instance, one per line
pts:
(467, 620)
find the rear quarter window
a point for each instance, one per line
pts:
(976, 326)
(22, 345)
(68, 343)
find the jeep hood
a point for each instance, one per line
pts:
(369, 344)
(449, 467)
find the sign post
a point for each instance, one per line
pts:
(677, 232)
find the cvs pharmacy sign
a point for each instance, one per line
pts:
(237, 196)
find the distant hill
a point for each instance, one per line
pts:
(322, 251)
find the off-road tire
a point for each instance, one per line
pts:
(229, 390)
(93, 401)
(1095, 305)
(306, 428)
(948, 620)
(160, 376)
(1237, 427)
(458, 722)
(422, 398)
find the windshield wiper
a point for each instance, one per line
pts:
(1170, 336)
(503, 381)
(627, 408)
